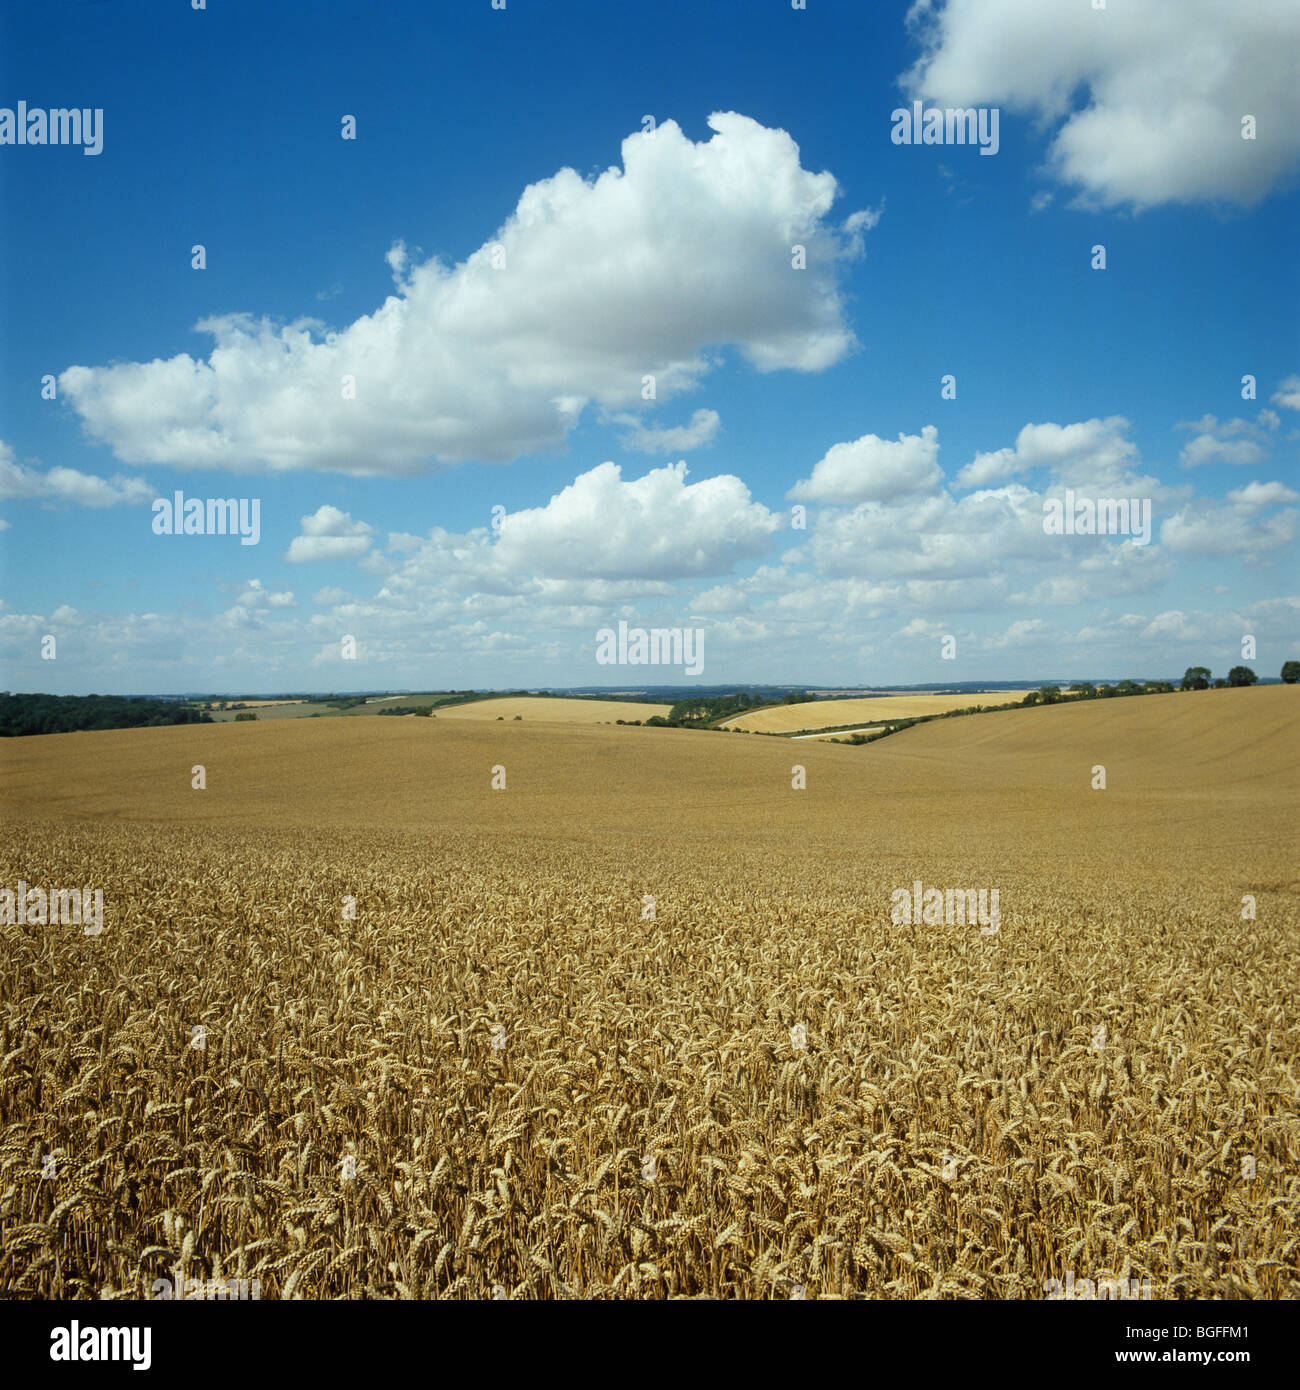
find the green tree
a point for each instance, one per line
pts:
(245, 717)
(1242, 675)
(1291, 672)
(1196, 678)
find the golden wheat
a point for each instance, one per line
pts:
(509, 1071)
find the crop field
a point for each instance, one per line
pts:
(287, 709)
(255, 704)
(549, 709)
(841, 733)
(412, 1008)
(319, 709)
(553, 710)
(873, 709)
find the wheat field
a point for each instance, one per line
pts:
(638, 1024)
(553, 710)
(867, 709)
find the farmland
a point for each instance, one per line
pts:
(553, 710)
(873, 709)
(638, 1023)
(549, 709)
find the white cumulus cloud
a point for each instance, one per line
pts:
(1093, 454)
(329, 534)
(657, 526)
(873, 469)
(1263, 494)
(1144, 99)
(585, 290)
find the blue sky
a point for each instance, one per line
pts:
(519, 385)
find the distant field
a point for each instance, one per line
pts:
(306, 709)
(553, 711)
(215, 707)
(842, 733)
(545, 710)
(298, 709)
(822, 714)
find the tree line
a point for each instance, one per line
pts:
(65, 714)
(1200, 677)
(707, 709)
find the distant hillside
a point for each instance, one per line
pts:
(1214, 747)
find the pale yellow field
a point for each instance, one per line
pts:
(820, 714)
(552, 711)
(257, 704)
(843, 733)
(640, 1023)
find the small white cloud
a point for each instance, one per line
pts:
(1227, 441)
(647, 439)
(398, 260)
(1172, 623)
(873, 469)
(329, 534)
(1263, 494)
(1020, 632)
(256, 595)
(921, 627)
(657, 526)
(1287, 394)
(1092, 453)
(59, 484)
